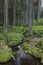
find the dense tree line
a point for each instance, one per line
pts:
(19, 12)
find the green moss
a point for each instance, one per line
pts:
(5, 53)
(37, 52)
(42, 58)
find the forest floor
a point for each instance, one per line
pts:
(32, 42)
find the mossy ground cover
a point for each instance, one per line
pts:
(35, 51)
(38, 31)
(40, 22)
(14, 39)
(15, 35)
(5, 53)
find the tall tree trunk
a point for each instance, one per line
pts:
(27, 8)
(5, 15)
(30, 15)
(14, 16)
(33, 14)
(22, 12)
(38, 11)
(18, 12)
(21, 21)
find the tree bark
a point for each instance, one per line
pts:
(27, 8)
(14, 15)
(38, 11)
(5, 15)
(30, 15)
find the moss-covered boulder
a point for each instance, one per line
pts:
(5, 53)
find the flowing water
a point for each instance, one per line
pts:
(23, 59)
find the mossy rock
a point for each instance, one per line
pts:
(42, 58)
(5, 53)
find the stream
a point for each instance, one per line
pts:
(23, 59)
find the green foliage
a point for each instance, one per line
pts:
(42, 57)
(15, 29)
(37, 52)
(38, 30)
(11, 39)
(19, 29)
(34, 22)
(2, 36)
(25, 31)
(5, 53)
(14, 39)
(41, 21)
(40, 43)
(22, 29)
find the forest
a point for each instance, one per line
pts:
(21, 32)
